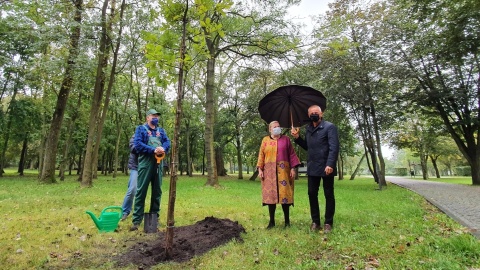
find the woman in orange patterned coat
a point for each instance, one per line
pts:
(276, 168)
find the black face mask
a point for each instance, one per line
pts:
(314, 117)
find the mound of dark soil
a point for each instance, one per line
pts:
(188, 241)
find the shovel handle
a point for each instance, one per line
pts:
(159, 157)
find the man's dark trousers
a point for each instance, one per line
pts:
(313, 187)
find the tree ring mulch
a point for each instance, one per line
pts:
(188, 242)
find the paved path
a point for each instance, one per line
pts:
(460, 202)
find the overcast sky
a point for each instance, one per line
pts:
(311, 7)
(307, 9)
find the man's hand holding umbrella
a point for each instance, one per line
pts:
(294, 131)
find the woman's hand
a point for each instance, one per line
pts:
(260, 173)
(292, 173)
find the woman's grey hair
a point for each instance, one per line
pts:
(271, 123)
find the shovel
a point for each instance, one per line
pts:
(150, 223)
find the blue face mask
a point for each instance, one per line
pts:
(154, 121)
(276, 131)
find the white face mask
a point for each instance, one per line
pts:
(276, 131)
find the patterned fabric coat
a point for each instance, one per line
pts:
(276, 157)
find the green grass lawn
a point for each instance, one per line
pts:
(45, 227)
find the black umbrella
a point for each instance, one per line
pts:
(289, 105)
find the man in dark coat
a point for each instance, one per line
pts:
(322, 145)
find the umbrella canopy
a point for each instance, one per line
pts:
(289, 105)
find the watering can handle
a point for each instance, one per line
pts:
(112, 207)
(159, 157)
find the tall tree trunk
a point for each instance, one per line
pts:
(239, 156)
(475, 169)
(47, 172)
(370, 146)
(4, 88)
(87, 173)
(189, 158)
(117, 146)
(435, 165)
(255, 174)
(203, 157)
(378, 162)
(219, 161)
(423, 163)
(340, 167)
(189, 152)
(21, 164)
(79, 167)
(7, 128)
(138, 102)
(111, 82)
(212, 177)
(41, 148)
(70, 164)
(358, 167)
(68, 141)
(64, 159)
(120, 130)
(378, 145)
(175, 143)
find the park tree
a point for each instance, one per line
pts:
(26, 112)
(419, 133)
(22, 43)
(242, 103)
(101, 98)
(168, 54)
(352, 66)
(450, 157)
(228, 29)
(444, 148)
(258, 80)
(435, 44)
(47, 172)
(98, 90)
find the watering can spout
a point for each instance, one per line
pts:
(94, 218)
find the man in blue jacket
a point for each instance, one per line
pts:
(322, 145)
(149, 140)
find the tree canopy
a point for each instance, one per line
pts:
(79, 76)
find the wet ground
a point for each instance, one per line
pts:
(189, 241)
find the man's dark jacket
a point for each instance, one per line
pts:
(322, 145)
(133, 158)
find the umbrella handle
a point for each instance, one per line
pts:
(291, 116)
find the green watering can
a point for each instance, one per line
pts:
(108, 220)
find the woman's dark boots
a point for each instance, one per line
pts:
(286, 213)
(271, 211)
